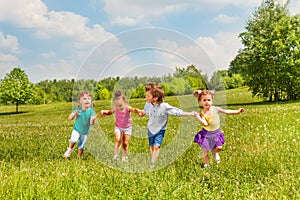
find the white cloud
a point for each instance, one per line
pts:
(50, 54)
(123, 21)
(222, 18)
(34, 14)
(295, 7)
(146, 12)
(7, 63)
(131, 12)
(9, 43)
(221, 48)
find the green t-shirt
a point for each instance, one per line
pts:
(82, 121)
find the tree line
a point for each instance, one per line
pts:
(269, 64)
(16, 89)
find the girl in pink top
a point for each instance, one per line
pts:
(123, 126)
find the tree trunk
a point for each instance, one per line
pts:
(17, 107)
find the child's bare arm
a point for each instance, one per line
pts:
(187, 113)
(73, 115)
(93, 119)
(106, 112)
(201, 119)
(232, 112)
(136, 110)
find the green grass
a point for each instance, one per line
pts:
(261, 157)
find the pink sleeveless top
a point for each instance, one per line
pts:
(123, 119)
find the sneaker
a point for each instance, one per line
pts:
(216, 157)
(205, 166)
(68, 153)
(124, 159)
(116, 157)
(152, 165)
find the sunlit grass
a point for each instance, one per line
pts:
(260, 158)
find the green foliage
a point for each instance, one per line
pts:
(15, 88)
(270, 61)
(102, 93)
(260, 159)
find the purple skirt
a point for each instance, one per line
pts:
(209, 140)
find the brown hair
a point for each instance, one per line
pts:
(118, 94)
(151, 86)
(198, 93)
(159, 93)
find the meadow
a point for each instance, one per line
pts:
(260, 160)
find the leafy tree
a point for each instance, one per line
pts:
(194, 77)
(102, 93)
(216, 81)
(270, 61)
(15, 88)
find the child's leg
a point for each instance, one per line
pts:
(155, 153)
(216, 155)
(81, 143)
(158, 139)
(80, 152)
(126, 139)
(118, 140)
(205, 156)
(217, 149)
(74, 137)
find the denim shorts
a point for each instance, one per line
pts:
(76, 136)
(156, 140)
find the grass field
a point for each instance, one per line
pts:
(261, 157)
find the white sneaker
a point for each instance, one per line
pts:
(68, 152)
(125, 159)
(152, 165)
(205, 166)
(216, 157)
(116, 157)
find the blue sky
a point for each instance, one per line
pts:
(64, 39)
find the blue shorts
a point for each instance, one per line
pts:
(78, 137)
(156, 140)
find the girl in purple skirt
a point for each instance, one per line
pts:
(210, 138)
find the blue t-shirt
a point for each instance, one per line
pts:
(82, 121)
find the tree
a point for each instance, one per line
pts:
(270, 61)
(15, 88)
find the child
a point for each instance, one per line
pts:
(85, 116)
(123, 126)
(210, 138)
(158, 112)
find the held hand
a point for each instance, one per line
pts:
(141, 113)
(195, 113)
(241, 110)
(101, 114)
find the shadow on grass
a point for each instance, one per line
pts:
(13, 113)
(259, 103)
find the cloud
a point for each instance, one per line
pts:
(9, 43)
(144, 12)
(7, 63)
(221, 48)
(34, 15)
(222, 18)
(50, 54)
(124, 21)
(295, 7)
